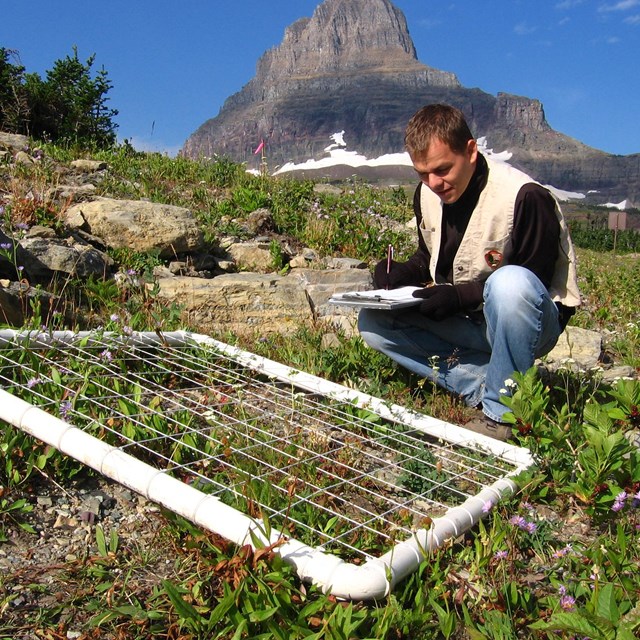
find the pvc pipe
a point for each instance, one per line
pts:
(372, 581)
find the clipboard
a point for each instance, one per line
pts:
(389, 299)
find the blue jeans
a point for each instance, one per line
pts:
(473, 359)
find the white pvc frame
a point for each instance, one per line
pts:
(372, 580)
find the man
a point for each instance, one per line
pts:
(496, 264)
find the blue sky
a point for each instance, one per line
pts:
(172, 64)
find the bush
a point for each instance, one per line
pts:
(69, 107)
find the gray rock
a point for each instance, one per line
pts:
(22, 157)
(576, 349)
(138, 225)
(243, 303)
(89, 166)
(251, 256)
(260, 221)
(42, 257)
(346, 263)
(13, 141)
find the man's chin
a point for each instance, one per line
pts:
(448, 197)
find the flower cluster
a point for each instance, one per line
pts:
(522, 523)
(567, 602)
(621, 499)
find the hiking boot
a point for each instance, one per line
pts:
(488, 427)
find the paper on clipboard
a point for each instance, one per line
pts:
(378, 298)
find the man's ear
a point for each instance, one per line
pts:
(472, 150)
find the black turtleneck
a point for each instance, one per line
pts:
(455, 218)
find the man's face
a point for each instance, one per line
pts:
(446, 172)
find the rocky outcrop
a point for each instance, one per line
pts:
(352, 67)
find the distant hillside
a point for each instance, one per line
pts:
(352, 66)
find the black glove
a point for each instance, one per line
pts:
(400, 274)
(439, 302)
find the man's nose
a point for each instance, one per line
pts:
(433, 182)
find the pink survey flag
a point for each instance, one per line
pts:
(259, 148)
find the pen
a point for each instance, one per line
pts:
(389, 259)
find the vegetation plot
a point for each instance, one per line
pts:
(561, 559)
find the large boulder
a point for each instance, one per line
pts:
(138, 225)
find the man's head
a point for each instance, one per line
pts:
(442, 149)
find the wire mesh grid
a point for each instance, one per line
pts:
(327, 472)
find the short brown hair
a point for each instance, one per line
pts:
(437, 121)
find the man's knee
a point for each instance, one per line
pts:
(510, 284)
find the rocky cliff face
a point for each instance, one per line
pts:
(352, 66)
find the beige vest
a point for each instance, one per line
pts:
(488, 235)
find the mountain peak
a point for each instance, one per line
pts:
(342, 36)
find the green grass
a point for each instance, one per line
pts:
(560, 560)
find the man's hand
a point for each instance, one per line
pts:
(439, 302)
(399, 275)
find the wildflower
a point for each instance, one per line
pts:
(559, 553)
(127, 330)
(22, 226)
(568, 603)
(518, 521)
(106, 355)
(523, 523)
(6, 246)
(618, 503)
(114, 317)
(487, 506)
(32, 382)
(635, 500)
(501, 555)
(65, 409)
(511, 384)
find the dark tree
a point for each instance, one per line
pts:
(70, 106)
(14, 108)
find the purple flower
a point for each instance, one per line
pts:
(6, 246)
(114, 317)
(106, 355)
(501, 555)
(23, 226)
(487, 506)
(636, 500)
(65, 409)
(33, 382)
(559, 553)
(568, 603)
(522, 523)
(618, 503)
(518, 521)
